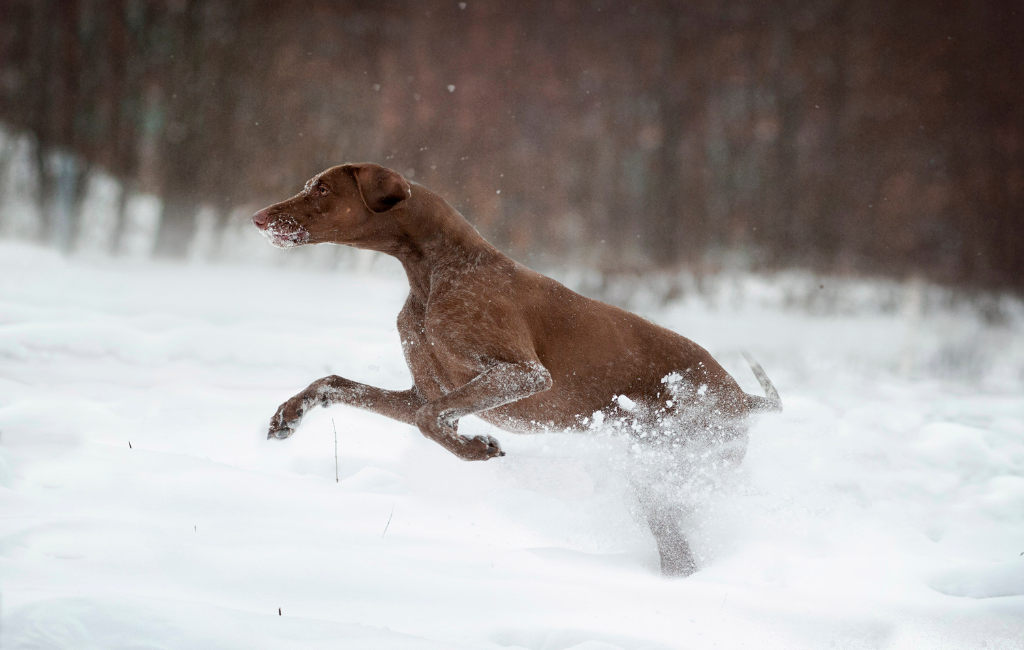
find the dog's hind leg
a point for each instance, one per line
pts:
(664, 520)
(397, 405)
(658, 480)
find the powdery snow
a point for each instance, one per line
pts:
(883, 508)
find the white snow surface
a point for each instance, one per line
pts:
(883, 509)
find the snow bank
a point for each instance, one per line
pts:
(883, 508)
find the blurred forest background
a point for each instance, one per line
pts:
(877, 137)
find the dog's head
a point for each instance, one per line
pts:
(342, 205)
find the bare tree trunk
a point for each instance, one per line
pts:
(182, 141)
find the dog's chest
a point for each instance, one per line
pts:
(429, 371)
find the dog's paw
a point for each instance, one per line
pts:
(279, 434)
(286, 420)
(482, 448)
(447, 435)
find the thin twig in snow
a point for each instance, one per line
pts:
(335, 451)
(389, 522)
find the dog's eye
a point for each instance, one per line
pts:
(321, 190)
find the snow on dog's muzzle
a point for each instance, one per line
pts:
(284, 232)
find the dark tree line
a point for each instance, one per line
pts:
(869, 136)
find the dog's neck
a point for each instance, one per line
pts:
(435, 241)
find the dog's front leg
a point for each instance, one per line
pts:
(499, 384)
(397, 405)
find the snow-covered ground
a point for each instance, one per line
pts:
(883, 509)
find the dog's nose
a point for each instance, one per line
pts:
(260, 219)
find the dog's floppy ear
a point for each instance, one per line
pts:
(381, 188)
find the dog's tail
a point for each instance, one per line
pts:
(771, 402)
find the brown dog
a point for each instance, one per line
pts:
(484, 335)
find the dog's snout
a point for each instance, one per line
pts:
(260, 219)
